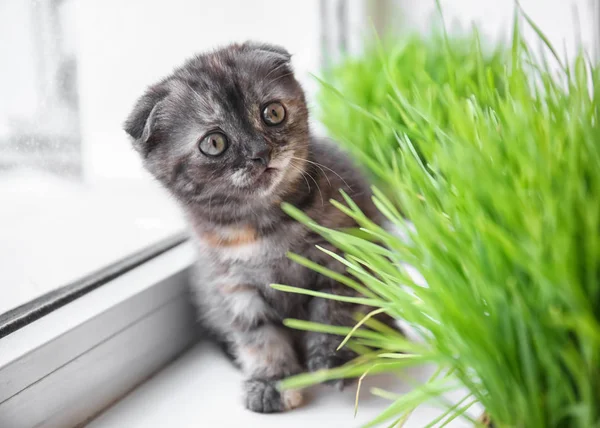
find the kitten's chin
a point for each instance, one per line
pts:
(268, 180)
(274, 175)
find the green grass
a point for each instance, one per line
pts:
(495, 161)
(417, 67)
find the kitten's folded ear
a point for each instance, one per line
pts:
(266, 47)
(141, 121)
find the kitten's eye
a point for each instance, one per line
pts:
(273, 114)
(213, 144)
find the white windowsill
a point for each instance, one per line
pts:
(202, 389)
(101, 346)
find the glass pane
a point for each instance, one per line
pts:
(73, 194)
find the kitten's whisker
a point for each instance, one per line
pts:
(321, 165)
(304, 174)
(316, 184)
(318, 188)
(279, 77)
(301, 173)
(283, 64)
(318, 166)
(194, 91)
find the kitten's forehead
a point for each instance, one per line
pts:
(234, 82)
(249, 72)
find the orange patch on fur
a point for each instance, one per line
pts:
(245, 235)
(251, 350)
(237, 288)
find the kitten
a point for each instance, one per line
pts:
(228, 135)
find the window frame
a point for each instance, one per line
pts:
(117, 334)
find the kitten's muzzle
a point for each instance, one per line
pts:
(261, 156)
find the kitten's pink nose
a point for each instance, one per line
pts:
(263, 156)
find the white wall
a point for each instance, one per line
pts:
(123, 46)
(557, 18)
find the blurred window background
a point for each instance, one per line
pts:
(73, 194)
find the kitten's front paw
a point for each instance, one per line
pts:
(330, 361)
(262, 396)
